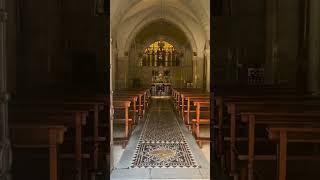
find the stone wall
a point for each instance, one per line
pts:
(53, 36)
(264, 35)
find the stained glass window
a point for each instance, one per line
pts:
(160, 44)
(160, 53)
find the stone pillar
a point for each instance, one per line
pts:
(207, 55)
(122, 72)
(197, 66)
(302, 58)
(314, 47)
(11, 42)
(271, 41)
(200, 71)
(113, 55)
(51, 32)
(112, 81)
(195, 72)
(5, 148)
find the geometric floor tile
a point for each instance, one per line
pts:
(161, 143)
(163, 155)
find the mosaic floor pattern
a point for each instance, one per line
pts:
(162, 144)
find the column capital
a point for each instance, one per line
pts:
(3, 15)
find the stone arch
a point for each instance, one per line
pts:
(195, 6)
(165, 38)
(145, 22)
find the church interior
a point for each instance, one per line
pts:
(159, 89)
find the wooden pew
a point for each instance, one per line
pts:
(272, 119)
(72, 120)
(43, 136)
(200, 121)
(222, 101)
(234, 108)
(189, 98)
(178, 97)
(141, 93)
(185, 95)
(123, 104)
(200, 100)
(177, 94)
(283, 135)
(98, 103)
(84, 105)
(74, 97)
(245, 94)
(133, 99)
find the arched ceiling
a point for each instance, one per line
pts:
(161, 29)
(188, 17)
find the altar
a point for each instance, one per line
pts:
(160, 89)
(161, 85)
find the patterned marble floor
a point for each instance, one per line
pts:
(162, 144)
(161, 147)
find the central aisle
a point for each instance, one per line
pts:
(162, 144)
(161, 148)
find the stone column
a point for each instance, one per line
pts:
(200, 71)
(112, 81)
(5, 148)
(207, 55)
(113, 54)
(195, 72)
(271, 40)
(314, 47)
(122, 71)
(302, 58)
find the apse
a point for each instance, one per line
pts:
(176, 60)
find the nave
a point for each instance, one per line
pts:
(263, 70)
(161, 147)
(68, 135)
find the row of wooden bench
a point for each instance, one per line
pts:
(194, 107)
(132, 104)
(247, 127)
(74, 127)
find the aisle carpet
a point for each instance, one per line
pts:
(162, 144)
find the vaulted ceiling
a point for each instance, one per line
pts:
(185, 21)
(161, 29)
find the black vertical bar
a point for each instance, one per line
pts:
(106, 18)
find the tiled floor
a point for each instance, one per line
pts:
(201, 156)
